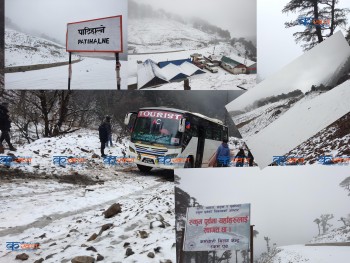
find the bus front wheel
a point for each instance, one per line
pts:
(144, 169)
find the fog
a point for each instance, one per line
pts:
(284, 200)
(276, 44)
(237, 16)
(51, 16)
(314, 67)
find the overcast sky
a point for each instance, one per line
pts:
(276, 44)
(284, 200)
(237, 16)
(51, 16)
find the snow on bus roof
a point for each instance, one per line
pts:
(183, 112)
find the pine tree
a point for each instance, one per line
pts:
(318, 10)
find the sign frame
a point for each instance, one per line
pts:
(189, 237)
(99, 51)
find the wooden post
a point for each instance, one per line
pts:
(182, 245)
(117, 69)
(187, 84)
(236, 256)
(251, 243)
(69, 69)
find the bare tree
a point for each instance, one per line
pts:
(324, 222)
(318, 222)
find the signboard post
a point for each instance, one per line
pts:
(215, 228)
(103, 35)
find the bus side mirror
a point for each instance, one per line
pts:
(182, 125)
(127, 118)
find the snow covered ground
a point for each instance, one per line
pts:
(63, 218)
(299, 123)
(61, 207)
(91, 73)
(155, 35)
(301, 253)
(222, 80)
(23, 50)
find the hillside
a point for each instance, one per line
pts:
(320, 254)
(157, 34)
(333, 140)
(22, 50)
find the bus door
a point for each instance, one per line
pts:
(200, 146)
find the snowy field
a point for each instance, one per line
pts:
(301, 253)
(299, 123)
(91, 73)
(63, 217)
(222, 80)
(61, 207)
(23, 50)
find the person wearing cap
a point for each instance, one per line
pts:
(104, 132)
(223, 154)
(5, 126)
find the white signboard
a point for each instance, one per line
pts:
(217, 228)
(97, 35)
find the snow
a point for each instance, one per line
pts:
(301, 253)
(299, 123)
(83, 144)
(22, 50)
(171, 40)
(70, 213)
(91, 73)
(154, 35)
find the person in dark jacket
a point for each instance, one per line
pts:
(5, 126)
(240, 158)
(104, 132)
(223, 154)
(250, 158)
(109, 130)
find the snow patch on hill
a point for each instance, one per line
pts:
(22, 50)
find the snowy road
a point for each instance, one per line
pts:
(27, 212)
(91, 73)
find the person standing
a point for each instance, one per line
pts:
(223, 154)
(104, 132)
(109, 130)
(240, 158)
(5, 126)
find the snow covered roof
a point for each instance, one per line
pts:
(240, 60)
(190, 69)
(172, 71)
(149, 71)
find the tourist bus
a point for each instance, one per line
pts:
(172, 138)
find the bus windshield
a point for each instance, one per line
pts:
(156, 126)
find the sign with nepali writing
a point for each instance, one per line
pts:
(159, 114)
(217, 228)
(97, 35)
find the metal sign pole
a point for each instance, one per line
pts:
(117, 69)
(69, 69)
(182, 244)
(251, 243)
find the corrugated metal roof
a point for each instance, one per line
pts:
(147, 71)
(177, 62)
(237, 59)
(190, 69)
(172, 72)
